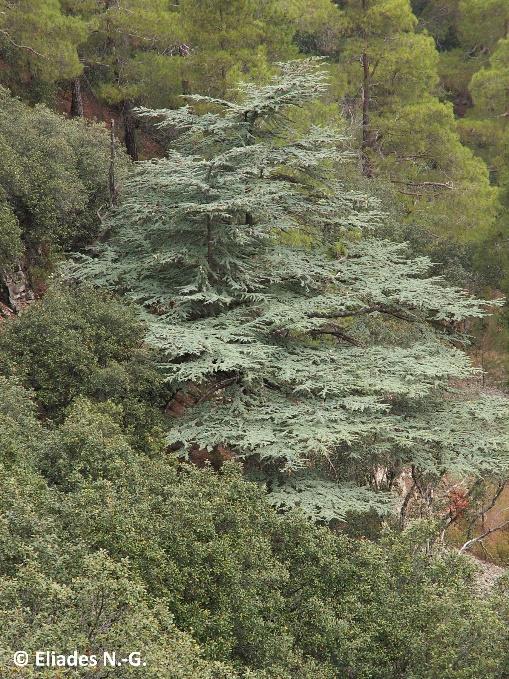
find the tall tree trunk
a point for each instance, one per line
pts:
(76, 99)
(20, 293)
(130, 141)
(209, 241)
(367, 169)
(112, 184)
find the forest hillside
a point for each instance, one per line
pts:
(254, 339)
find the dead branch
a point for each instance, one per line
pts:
(22, 47)
(432, 185)
(481, 537)
(339, 334)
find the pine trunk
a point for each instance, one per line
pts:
(367, 169)
(76, 99)
(130, 141)
(111, 175)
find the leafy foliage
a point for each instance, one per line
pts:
(75, 345)
(53, 180)
(199, 573)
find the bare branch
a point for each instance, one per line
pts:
(481, 537)
(431, 185)
(22, 47)
(339, 334)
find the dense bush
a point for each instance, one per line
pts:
(53, 180)
(122, 551)
(77, 344)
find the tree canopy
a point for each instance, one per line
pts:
(312, 340)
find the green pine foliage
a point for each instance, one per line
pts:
(234, 39)
(230, 40)
(408, 134)
(38, 45)
(482, 23)
(486, 128)
(128, 47)
(321, 351)
(131, 56)
(470, 35)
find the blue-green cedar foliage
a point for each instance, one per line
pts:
(322, 352)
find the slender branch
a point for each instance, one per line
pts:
(209, 241)
(22, 47)
(367, 170)
(433, 185)
(339, 334)
(417, 482)
(481, 537)
(112, 185)
(345, 314)
(452, 518)
(378, 308)
(484, 510)
(494, 499)
(415, 194)
(98, 213)
(406, 501)
(216, 387)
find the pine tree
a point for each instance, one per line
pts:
(485, 129)
(129, 55)
(440, 19)
(467, 33)
(386, 80)
(484, 31)
(408, 135)
(39, 44)
(234, 39)
(482, 23)
(293, 336)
